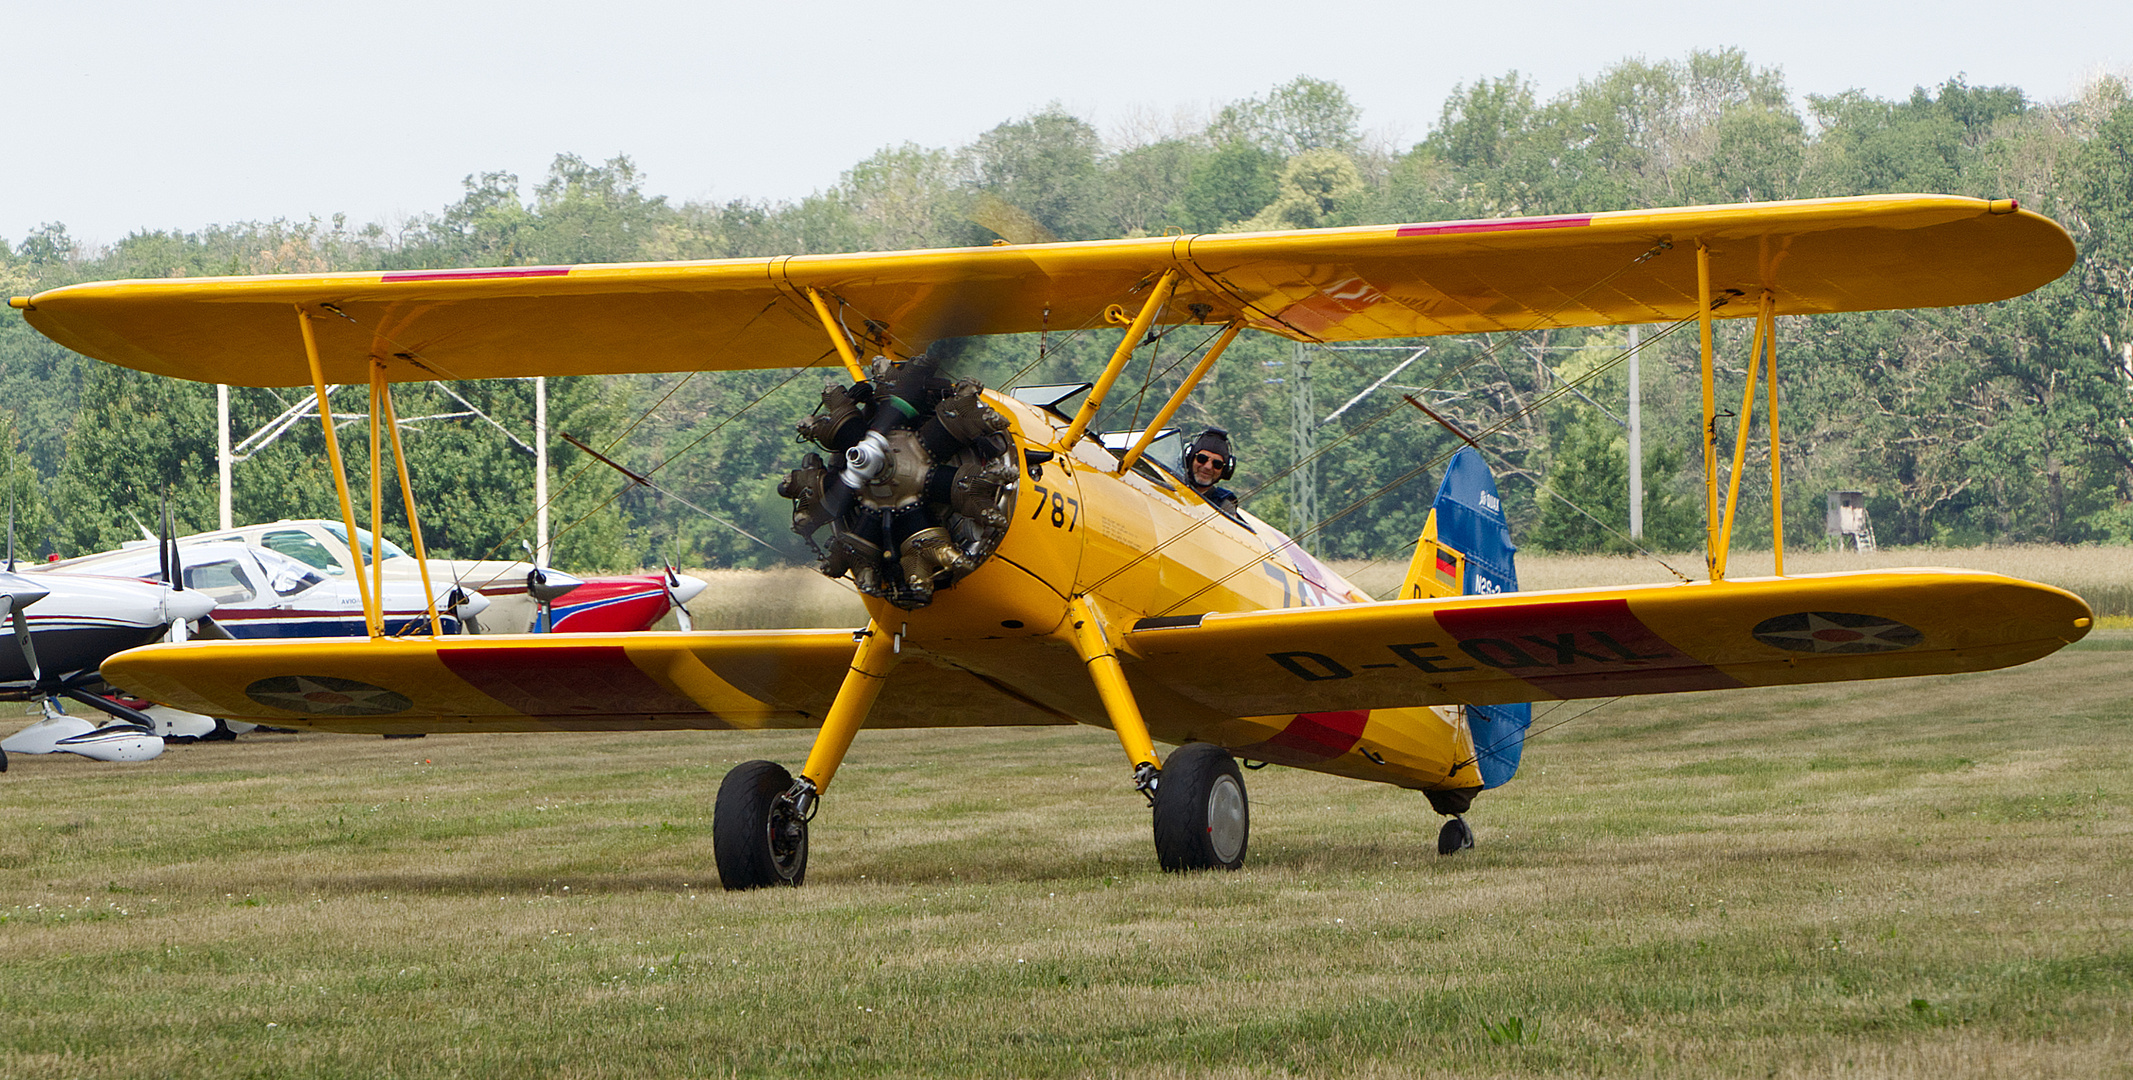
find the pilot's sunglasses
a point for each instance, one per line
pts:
(1206, 459)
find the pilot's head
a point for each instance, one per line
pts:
(1208, 460)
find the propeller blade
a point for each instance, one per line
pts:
(679, 592)
(175, 565)
(17, 594)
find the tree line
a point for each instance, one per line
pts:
(2004, 423)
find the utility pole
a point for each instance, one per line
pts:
(1303, 480)
(222, 454)
(1636, 441)
(540, 471)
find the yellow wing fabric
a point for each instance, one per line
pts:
(1594, 643)
(576, 682)
(1875, 252)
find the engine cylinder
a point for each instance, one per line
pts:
(926, 488)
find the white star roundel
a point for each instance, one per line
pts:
(1836, 632)
(324, 695)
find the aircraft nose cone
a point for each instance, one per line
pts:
(188, 605)
(686, 588)
(20, 591)
(548, 584)
(474, 605)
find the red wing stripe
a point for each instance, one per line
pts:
(1571, 221)
(477, 273)
(578, 680)
(1579, 648)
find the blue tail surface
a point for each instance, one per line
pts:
(1470, 519)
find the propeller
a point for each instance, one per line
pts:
(174, 576)
(16, 593)
(680, 591)
(920, 481)
(458, 600)
(546, 586)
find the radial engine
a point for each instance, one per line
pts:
(919, 484)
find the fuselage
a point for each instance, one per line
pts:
(1143, 545)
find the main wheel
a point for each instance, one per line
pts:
(757, 837)
(1202, 818)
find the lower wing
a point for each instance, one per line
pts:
(1480, 650)
(539, 682)
(1489, 650)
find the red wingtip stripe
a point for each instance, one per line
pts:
(477, 273)
(1568, 221)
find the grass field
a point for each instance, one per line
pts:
(1929, 878)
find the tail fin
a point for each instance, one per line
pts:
(1466, 549)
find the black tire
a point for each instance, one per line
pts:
(759, 842)
(1455, 837)
(1203, 821)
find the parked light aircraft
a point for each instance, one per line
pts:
(609, 602)
(260, 593)
(1015, 571)
(57, 629)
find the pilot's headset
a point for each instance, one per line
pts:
(1214, 440)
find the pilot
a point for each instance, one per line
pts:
(1208, 462)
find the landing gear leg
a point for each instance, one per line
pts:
(759, 826)
(1202, 819)
(1456, 836)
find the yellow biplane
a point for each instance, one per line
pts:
(1018, 571)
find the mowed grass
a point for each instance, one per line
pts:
(1923, 878)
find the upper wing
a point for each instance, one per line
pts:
(540, 682)
(1874, 252)
(1591, 643)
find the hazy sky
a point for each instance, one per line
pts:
(126, 116)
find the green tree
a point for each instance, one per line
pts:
(1302, 114)
(1234, 182)
(1045, 165)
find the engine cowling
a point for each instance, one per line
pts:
(917, 485)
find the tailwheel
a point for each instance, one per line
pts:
(1202, 818)
(1455, 837)
(757, 833)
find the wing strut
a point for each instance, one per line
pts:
(1177, 399)
(1762, 363)
(837, 336)
(1157, 297)
(384, 401)
(1710, 415)
(372, 616)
